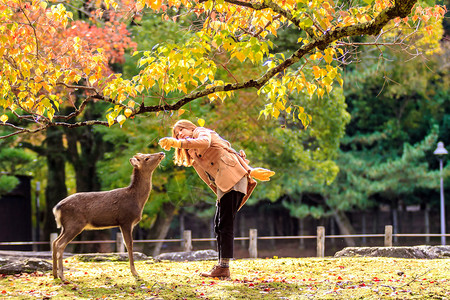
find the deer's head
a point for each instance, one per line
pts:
(147, 162)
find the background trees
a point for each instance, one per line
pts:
(234, 64)
(13, 162)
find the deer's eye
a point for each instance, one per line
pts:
(147, 158)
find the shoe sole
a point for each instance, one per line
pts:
(218, 277)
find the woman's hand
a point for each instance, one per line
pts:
(169, 142)
(261, 174)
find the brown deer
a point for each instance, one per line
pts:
(99, 210)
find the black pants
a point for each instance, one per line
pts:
(224, 222)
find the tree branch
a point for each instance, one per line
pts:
(400, 9)
(34, 30)
(373, 27)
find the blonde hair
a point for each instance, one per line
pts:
(182, 157)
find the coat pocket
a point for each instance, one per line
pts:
(228, 160)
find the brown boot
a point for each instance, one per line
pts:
(217, 271)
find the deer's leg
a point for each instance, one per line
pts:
(54, 256)
(127, 236)
(67, 235)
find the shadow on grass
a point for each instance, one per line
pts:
(133, 286)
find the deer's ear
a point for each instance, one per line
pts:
(134, 162)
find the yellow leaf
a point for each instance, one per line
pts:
(315, 56)
(311, 88)
(316, 71)
(180, 112)
(339, 79)
(50, 113)
(131, 103)
(275, 113)
(328, 57)
(121, 119)
(279, 105)
(121, 98)
(43, 5)
(139, 88)
(128, 112)
(201, 122)
(300, 110)
(4, 118)
(240, 56)
(110, 119)
(288, 110)
(320, 92)
(92, 79)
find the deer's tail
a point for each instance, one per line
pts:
(57, 213)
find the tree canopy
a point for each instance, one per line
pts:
(47, 55)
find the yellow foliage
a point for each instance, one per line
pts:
(39, 63)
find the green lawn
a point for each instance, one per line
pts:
(275, 278)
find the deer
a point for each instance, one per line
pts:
(120, 207)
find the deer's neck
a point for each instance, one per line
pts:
(141, 184)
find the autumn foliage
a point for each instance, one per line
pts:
(46, 55)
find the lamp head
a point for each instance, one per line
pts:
(440, 150)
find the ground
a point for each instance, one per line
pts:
(270, 278)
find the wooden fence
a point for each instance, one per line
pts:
(253, 238)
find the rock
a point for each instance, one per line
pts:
(35, 254)
(420, 252)
(188, 256)
(122, 256)
(11, 266)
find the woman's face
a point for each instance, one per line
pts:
(182, 133)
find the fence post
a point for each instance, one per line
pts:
(253, 243)
(187, 240)
(53, 237)
(320, 241)
(388, 236)
(120, 246)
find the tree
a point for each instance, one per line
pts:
(377, 163)
(82, 147)
(38, 77)
(13, 162)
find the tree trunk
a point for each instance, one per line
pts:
(345, 227)
(160, 228)
(56, 189)
(85, 148)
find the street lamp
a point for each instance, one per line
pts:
(440, 152)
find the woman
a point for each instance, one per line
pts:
(225, 171)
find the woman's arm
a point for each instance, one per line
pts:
(201, 139)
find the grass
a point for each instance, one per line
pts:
(274, 278)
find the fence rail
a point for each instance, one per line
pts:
(253, 238)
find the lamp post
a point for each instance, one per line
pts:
(440, 152)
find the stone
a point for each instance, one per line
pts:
(188, 256)
(10, 266)
(97, 257)
(418, 252)
(26, 254)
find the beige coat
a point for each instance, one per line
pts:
(213, 155)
